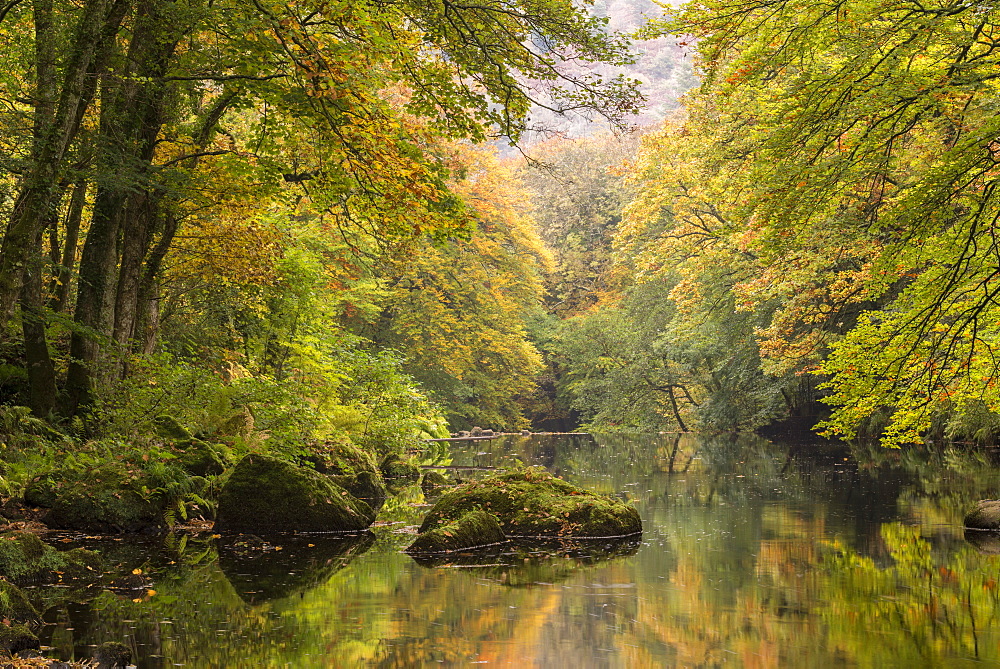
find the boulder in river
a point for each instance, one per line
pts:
(531, 503)
(107, 498)
(985, 515)
(473, 529)
(267, 495)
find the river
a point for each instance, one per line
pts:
(754, 554)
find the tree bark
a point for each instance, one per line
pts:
(99, 22)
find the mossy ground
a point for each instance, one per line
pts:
(533, 503)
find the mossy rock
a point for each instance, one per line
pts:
(342, 457)
(433, 482)
(167, 427)
(533, 503)
(267, 495)
(40, 491)
(398, 472)
(14, 605)
(240, 424)
(26, 559)
(200, 458)
(102, 500)
(17, 637)
(474, 529)
(985, 515)
(113, 655)
(366, 486)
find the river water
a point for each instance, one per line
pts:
(754, 554)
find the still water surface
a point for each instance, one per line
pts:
(754, 554)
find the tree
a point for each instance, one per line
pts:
(855, 143)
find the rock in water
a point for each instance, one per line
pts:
(533, 503)
(474, 529)
(985, 515)
(267, 495)
(113, 655)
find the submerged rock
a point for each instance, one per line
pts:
(985, 515)
(534, 504)
(473, 529)
(266, 495)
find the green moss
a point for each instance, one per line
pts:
(199, 458)
(14, 604)
(266, 495)
(113, 654)
(433, 482)
(167, 427)
(533, 503)
(473, 529)
(17, 637)
(398, 472)
(111, 501)
(343, 458)
(366, 486)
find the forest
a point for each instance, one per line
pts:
(362, 222)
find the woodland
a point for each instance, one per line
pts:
(359, 221)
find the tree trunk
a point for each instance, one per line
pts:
(99, 22)
(130, 123)
(64, 274)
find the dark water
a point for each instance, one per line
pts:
(754, 554)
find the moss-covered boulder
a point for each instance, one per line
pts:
(366, 486)
(107, 499)
(266, 495)
(474, 529)
(113, 655)
(26, 559)
(17, 637)
(199, 458)
(167, 427)
(14, 605)
(533, 503)
(985, 515)
(434, 482)
(398, 472)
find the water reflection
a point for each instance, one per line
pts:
(753, 554)
(262, 570)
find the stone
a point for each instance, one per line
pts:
(17, 637)
(985, 515)
(168, 427)
(113, 655)
(533, 503)
(398, 472)
(433, 481)
(474, 529)
(266, 495)
(199, 458)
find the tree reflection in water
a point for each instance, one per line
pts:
(753, 554)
